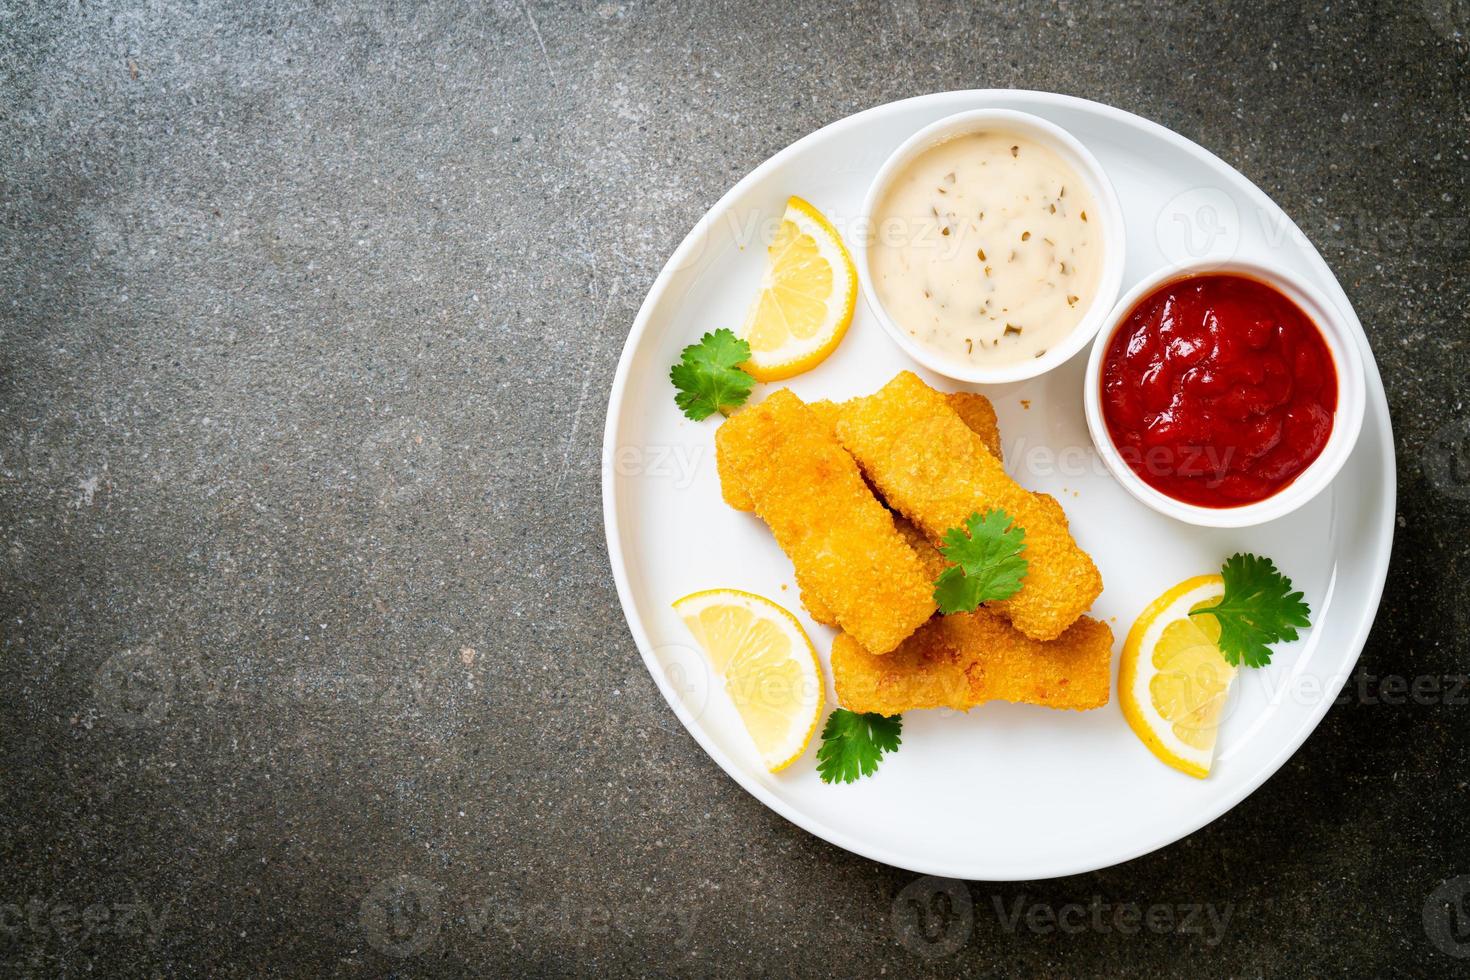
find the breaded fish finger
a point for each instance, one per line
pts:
(838, 536)
(934, 563)
(978, 414)
(929, 466)
(966, 659)
(975, 409)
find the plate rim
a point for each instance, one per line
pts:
(1377, 405)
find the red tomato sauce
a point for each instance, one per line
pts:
(1218, 390)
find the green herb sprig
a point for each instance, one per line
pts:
(988, 565)
(1258, 609)
(709, 377)
(853, 744)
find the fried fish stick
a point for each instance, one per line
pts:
(825, 413)
(966, 659)
(975, 410)
(838, 536)
(934, 563)
(929, 466)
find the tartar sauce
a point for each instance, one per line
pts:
(986, 248)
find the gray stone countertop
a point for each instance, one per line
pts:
(310, 657)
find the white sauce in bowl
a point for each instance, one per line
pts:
(986, 248)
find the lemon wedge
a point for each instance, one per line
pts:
(768, 666)
(1173, 680)
(808, 294)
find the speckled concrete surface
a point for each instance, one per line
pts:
(312, 662)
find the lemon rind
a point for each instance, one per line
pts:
(790, 367)
(1138, 710)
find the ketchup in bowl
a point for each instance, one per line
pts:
(1218, 391)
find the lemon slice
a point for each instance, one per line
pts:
(767, 664)
(1173, 680)
(807, 296)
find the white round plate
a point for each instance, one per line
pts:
(1005, 792)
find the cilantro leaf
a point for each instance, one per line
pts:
(988, 563)
(1258, 609)
(709, 377)
(852, 744)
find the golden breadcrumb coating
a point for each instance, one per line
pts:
(825, 412)
(932, 468)
(934, 563)
(838, 536)
(966, 659)
(730, 486)
(815, 607)
(976, 411)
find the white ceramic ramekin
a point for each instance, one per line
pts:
(1347, 359)
(1075, 155)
